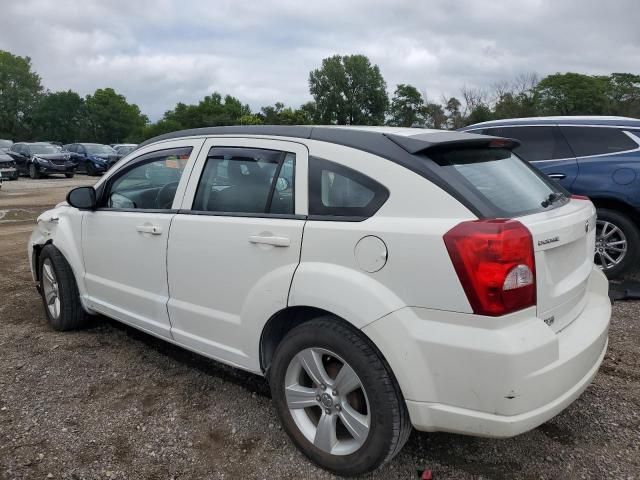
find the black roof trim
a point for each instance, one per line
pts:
(420, 143)
(269, 130)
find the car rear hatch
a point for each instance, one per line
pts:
(563, 241)
(562, 229)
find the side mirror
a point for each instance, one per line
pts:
(83, 198)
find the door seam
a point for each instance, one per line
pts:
(304, 226)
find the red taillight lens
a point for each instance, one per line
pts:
(580, 197)
(495, 264)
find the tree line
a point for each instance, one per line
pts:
(346, 90)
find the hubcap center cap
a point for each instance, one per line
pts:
(326, 400)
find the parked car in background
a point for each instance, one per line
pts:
(8, 166)
(92, 158)
(441, 281)
(595, 156)
(124, 149)
(5, 145)
(40, 159)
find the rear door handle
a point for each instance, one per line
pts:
(270, 240)
(557, 176)
(152, 229)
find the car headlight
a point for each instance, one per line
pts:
(43, 161)
(99, 161)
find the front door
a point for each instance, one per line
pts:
(235, 245)
(124, 241)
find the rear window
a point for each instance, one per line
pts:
(510, 185)
(587, 141)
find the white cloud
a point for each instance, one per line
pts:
(159, 52)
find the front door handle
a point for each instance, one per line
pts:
(557, 176)
(270, 240)
(152, 229)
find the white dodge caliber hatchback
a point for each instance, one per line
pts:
(379, 278)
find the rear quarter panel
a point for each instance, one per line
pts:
(418, 270)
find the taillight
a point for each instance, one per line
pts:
(495, 263)
(580, 197)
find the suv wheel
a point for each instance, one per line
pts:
(33, 172)
(91, 170)
(617, 242)
(337, 398)
(59, 291)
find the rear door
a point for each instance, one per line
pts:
(235, 245)
(545, 147)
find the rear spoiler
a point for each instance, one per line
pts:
(422, 142)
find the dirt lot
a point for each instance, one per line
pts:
(110, 402)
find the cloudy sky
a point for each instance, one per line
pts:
(159, 52)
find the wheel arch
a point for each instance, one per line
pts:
(288, 318)
(619, 206)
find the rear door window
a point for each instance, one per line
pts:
(587, 141)
(510, 185)
(536, 142)
(246, 181)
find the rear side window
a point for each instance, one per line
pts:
(246, 180)
(504, 180)
(597, 141)
(339, 191)
(536, 143)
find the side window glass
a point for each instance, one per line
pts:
(538, 143)
(283, 193)
(497, 132)
(336, 190)
(246, 180)
(150, 183)
(586, 141)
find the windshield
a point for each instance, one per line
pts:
(96, 149)
(503, 179)
(43, 148)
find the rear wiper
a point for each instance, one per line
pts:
(552, 198)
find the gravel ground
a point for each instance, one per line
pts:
(111, 402)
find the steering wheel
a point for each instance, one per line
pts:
(164, 197)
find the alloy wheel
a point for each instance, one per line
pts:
(327, 401)
(50, 289)
(611, 245)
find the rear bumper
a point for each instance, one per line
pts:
(495, 377)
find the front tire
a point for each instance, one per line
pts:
(33, 172)
(617, 242)
(59, 291)
(337, 398)
(91, 170)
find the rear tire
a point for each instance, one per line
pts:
(378, 402)
(617, 228)
(33, 172)
(91, 170)
(59, 291)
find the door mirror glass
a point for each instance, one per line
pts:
(83, 198)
